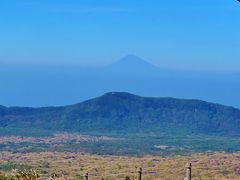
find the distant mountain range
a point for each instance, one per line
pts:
(119, 112)
(59, 85)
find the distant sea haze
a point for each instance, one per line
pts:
(53, 86)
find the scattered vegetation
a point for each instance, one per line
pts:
(134, 145)
(8, 166)
(67, 165)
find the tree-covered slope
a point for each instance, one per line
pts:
(127, 113)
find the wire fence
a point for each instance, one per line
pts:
(140, 173)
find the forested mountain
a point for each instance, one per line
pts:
(118, 112)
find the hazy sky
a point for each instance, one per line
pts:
(186, 34)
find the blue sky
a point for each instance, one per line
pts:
(182, 34)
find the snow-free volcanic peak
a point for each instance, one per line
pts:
(132, 61)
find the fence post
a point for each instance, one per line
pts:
(189, 171)
(86, 176)
(140, 174)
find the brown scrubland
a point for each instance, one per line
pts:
(68, 165)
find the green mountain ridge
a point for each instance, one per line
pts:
(119, 112)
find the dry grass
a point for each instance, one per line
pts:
(212, 166)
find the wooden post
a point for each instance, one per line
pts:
(86, 176)
(140, 174)
(189, 171)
